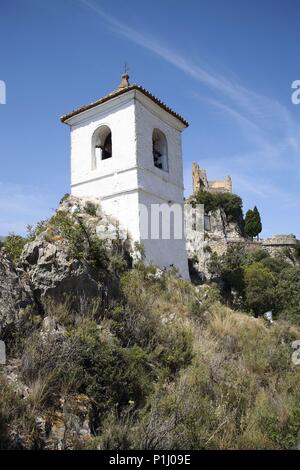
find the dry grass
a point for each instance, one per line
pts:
(223, 321)
(220, 379)
(40, 391)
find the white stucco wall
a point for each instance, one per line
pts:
(130, 177)
(164, 252)
(119, 116)
(148, 117)
(157, 186)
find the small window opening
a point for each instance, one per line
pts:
(101, 145)
(107, 150)
(160, 150)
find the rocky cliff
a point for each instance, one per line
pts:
(15, 293)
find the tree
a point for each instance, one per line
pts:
(249, 224)
(288, 293)
(253, 225)
(257, 221)
(259, 288)
(229, 266)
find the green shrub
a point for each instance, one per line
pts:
(282, 433)
(14, 245)
(276, 265)
(230, 203)
(259, 288)
(288, 293)
(83, 362)
(134, 326)
(259, 254)
(203, 300)
(260, 281)
(82, 242)
(111, 375)
(117, 431)
(229, 266)
(175, 350)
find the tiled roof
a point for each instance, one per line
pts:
(121, 91)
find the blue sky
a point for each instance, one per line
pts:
(226, 65)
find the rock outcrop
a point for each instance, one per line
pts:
(218, 226)
(15, 293)
(52, 270)
(53, 274)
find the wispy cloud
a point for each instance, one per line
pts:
(261, 113)
(217, 82)
(269, 128)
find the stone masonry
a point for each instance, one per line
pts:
(201, 183)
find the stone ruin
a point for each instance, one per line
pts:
(201, 183)
(212, 232)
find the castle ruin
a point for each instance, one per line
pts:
(201, 183)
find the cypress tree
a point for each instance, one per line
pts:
(249, 224)
(253, 225)
(257, 222)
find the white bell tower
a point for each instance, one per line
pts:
(126, 150)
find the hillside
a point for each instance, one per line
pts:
(105, 353)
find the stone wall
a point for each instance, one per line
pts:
(283, 244)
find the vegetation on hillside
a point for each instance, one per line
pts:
(257, 282)
(163, 364)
